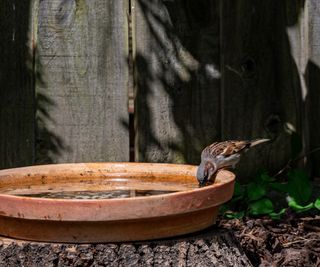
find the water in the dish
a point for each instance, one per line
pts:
(97, 194)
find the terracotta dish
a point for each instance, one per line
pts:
(107, 202)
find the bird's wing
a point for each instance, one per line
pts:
(226, 148)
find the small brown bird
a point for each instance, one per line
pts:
(222, 155)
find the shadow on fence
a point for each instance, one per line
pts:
(180, 97)
(178, 70)
(25, 138)
(179, 77)
(48, 145)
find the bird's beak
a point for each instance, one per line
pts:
(203, 182)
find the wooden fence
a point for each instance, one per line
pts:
(203, 70)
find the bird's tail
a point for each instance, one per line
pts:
(258, 141)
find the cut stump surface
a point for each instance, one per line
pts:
(212, 247)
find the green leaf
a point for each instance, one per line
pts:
(299, 186)
(263, 177)
(234, 215)
(224, 208)
(317, 203)
(277, 215)
(280, 187)
(266, 178)
(262, 206)
(296, 144)
(256, 191)
(238, 189)
(295, 206)
(235, 200)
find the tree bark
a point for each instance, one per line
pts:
(211, 247)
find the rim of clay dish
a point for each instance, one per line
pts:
(111, 209)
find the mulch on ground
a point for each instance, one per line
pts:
(293, 241)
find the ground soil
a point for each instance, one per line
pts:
(293, 241)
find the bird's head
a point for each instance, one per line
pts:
(205, 171)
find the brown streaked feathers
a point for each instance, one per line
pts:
(228, 148)
(222, 155)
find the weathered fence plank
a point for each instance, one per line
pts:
(74, 53)
(313, 81)
(82, 79)
(16, 85)
(297, 30)
(261, 92)
(178, 86)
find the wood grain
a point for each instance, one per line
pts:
(205, 71)
(178, 86)
(82, 78)
(261, 93)
(209, 248)
(16, 85)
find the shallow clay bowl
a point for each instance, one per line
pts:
(151, 201)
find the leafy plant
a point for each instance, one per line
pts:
(317, 203)
(299, 187)
(254, 198)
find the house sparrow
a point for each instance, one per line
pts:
(222, 155)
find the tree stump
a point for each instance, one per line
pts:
(212, 247)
